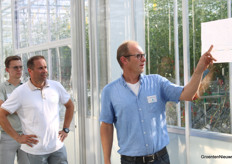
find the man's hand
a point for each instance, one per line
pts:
(27, 139)
(205, 60)
(190, 90)
(62, 135)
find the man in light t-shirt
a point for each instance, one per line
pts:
(37, 104)
(9, 148)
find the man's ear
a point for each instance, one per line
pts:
(123, 60)
(29, 70)
(7, 70)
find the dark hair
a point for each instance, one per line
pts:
(10, 58)
(30, 62)
(123, 50)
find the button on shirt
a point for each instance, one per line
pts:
(140, 120)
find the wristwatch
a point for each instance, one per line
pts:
(66, 130)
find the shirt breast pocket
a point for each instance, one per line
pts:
(152, 103)
(152, 107)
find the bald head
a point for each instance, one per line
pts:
(124, 50)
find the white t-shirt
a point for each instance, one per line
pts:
(38, 111)
(134, 87)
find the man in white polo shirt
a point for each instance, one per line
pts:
(37, 104)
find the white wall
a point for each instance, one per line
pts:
(198, 147)
(203, 146)
(177, 148)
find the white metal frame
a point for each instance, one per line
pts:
(45, 46)
(79, 74)
(230, 67)
(186, 74)
(94, 81)
(1, 46)
(177, 64)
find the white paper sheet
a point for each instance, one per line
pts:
(219, 34)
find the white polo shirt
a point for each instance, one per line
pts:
(38, 111)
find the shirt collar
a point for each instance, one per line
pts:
(32, 87)
(123, 81)
(7, 83)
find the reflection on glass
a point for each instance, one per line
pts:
(65, 66)
(22, 27)
(89, 89)
(6, 32)
(38, 22)
(45, 54)
(25, 75)
(7, 41)
(32, 54)
(38, 52)
(55, 66)
(21, 3)
(160, 45)
(61, 66)
(5, 4)
(60, 20)
(212, 111)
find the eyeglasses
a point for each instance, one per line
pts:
(17, 67)
(138, 56)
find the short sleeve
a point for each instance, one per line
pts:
(12, 104)
(63, 94)
(2, 91)
(170, 91)
(107, 111)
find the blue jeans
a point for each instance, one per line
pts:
(57, 157)
(160, 160)
(9, 149)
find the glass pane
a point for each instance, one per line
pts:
(66, 67)
(7, 41)
(89, 89)
(25, 75)
(7, 34)
(60, 24)
(61, 66)
(212, 111)
(5, 4)
(55, 65)
(160, 46)
(39, 22)
(45, 54)
(21, 3)
(22, 30)
(32, 54)
(38, 52)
